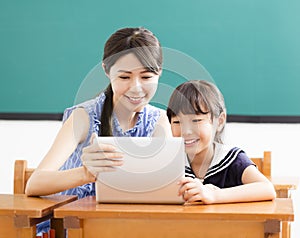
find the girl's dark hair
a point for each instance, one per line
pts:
(144, 45)
(197, 97)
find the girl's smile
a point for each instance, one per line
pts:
(191, 142)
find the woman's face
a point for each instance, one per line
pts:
(132, 84)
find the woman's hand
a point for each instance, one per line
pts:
(193, 190)
(99, 157)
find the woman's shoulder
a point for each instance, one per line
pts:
(91, 106)
(151, 109)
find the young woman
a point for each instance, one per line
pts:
(132, 61)
(215, 173)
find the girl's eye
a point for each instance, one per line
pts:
(146, 77)
(176, 122)
(197, 120)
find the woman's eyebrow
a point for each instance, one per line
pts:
(129, 72)
(124, 71)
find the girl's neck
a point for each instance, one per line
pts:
(201, 162)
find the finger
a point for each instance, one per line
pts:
(196, 198)
(193, 191)
(95, 146)
(185, 180)
(102, 163)
(101, 155)
(182, 189)
(96, 170)
(93, 137)
(186, 195)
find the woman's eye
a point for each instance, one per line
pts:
(175, 122)
(124, 77)
(196, 120)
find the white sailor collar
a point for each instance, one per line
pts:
(223, 157)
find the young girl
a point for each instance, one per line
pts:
(215, 173)
(132, 61)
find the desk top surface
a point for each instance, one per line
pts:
(20, 204)
(280, 208)
(285, 182)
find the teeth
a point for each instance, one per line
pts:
(135, 98)
(187, 142)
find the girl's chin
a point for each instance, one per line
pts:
(191, 153)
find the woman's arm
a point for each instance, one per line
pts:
(47, 179)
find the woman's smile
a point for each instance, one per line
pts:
(135, 99)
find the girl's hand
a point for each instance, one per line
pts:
(193, 190)
(99, 157)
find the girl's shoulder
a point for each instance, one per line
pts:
(226, 156)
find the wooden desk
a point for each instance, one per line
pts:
(86, 218)
(19, 214)
(284, 187)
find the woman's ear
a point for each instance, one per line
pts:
(104, 69)
(221, 121)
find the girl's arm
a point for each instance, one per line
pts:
(256, 187)
(47, 179)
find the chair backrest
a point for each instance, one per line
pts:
(21, 176)
(22, 173)
(264, 164)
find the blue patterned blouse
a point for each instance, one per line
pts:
(144, 127)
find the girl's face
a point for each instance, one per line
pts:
(132, 84)
(198, 132)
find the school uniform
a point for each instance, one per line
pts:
(226, 169)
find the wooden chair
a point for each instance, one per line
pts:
(264, 163)
(21, 176)
(282, 185)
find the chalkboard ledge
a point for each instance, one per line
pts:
(230, 118)
(31, 116)
(263, 119)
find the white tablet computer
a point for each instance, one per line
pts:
(152, 167)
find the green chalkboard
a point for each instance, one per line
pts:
(50, 50)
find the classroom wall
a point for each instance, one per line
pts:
(31, 139)
(250, 48)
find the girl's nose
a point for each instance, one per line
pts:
(186, 129)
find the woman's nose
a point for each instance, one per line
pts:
(136, 84)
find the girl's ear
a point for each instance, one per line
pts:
(221, 121)
(160, 72)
